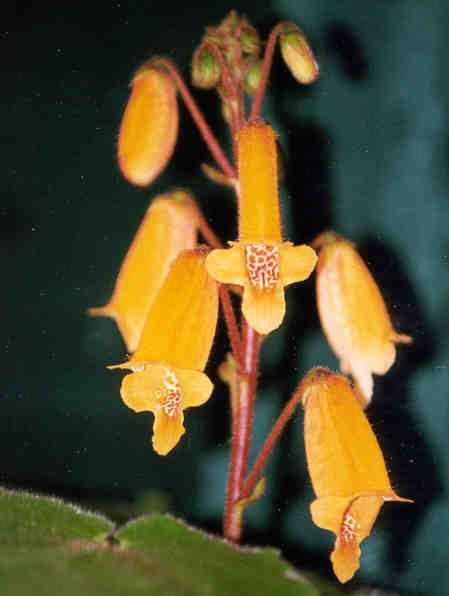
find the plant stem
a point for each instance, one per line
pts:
(270, 441)
(204, 129)
(206, 231)
(265, 72)
(235, 338)
(242, 425)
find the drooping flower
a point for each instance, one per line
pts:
(169, 226)
(167, 368)
(345, 464)
(260, 261)
(149, 126)
(353, 314)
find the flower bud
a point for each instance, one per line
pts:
(205, 69)
(297, 54)
(249, 39)
(353, 313)
(252, 77)
(149, 126)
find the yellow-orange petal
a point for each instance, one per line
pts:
(140, 389)
(296, 263)
(196, 387)
(167, 430)
(227, 265)
(259, 215)
(181, 323)
(263, 309)
(166, 392)
(346, 466)
(353, 313)
(343, 455)
(149, 126)
(169, 226)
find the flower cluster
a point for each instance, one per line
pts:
(165, 300)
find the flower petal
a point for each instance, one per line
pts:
(139, 389)
(227, 265)
(259, 213)
(196, 387)
(181, 323)
(168, 227)
(296, 263)
(167, 430)
(263, 309)
(352, 311)
(351, 521)
(343, 455)
(362, 376)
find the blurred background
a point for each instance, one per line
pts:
(366, 153)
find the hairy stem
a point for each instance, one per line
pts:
(242, 425)
(235, 338)
(265, 72)
(270, 441)
(204, 129)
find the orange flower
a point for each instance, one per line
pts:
(260, 261)
(149, 126)
(353, 313)
(168, 227)
(174, 348)
(345, 464)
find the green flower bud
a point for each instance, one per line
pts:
(205, 69)
(249, 39)
(297, 54)
(252, 77)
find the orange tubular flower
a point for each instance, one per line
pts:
(169, 226)
(345, 464)
(260, 261)
(174, 347)
(149, 126)
(353, 313)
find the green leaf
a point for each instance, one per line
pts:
(197, 563)
(48, 547)
(31, 521)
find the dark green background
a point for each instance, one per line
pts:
(366, 153)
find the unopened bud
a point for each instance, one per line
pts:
(249, 39)
(252, 78)
(297, 54)
(149, 126)
(205, 69)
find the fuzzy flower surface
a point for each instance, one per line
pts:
(167, 368)
(353, 313)
(260, 261)
(168, 227)
(346, 467)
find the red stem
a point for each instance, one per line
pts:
(206, 231)
(270, 441)
(204, 129)
(242, 425)
(265, 72)
(235, 338)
